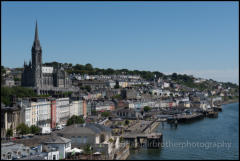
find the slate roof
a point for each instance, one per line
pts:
(88, 128)
(57, 140)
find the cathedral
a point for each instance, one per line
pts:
(43, 77)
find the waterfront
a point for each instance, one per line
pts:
(217, 138)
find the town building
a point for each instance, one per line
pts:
(43, 78)
(59, 143)
(62, 110)
(10, 119)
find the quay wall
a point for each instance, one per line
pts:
(123, 154)
(151, 126)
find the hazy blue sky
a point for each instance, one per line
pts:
(199, 38)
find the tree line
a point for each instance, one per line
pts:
(23, 129)
(90, 70)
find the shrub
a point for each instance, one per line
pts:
(23, 129)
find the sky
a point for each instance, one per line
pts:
(197, 38)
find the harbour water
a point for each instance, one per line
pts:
(209, 138)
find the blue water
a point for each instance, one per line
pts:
(209, 138)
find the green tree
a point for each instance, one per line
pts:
(174, 76)
(110, 140)
(75, 120)
(9, 132)
(16, 79)
(88, 88)
(121, 139)
(67, 94)
(146, 108)
(87, 149)
(118, 96)
(105, 114)
(88, 67)
(23, 129)
(110, 71)
(127, 122)
(35, 129)
(7, 92)
(117, 85)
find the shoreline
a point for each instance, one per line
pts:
(230, 101)
(167, 153)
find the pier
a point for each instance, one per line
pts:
(212, 114)
(217, 109)
(184, 118)
(140, 134)
(152, 140)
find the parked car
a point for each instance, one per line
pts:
(59, 127)
(13, 138)
(46, 130)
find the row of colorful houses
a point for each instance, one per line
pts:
(48, 112)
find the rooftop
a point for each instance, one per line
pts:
(88, 128)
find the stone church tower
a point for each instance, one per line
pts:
(44, 78)
(37, 60)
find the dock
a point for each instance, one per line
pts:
(152, 140)
(217, 109)
(212, 114)
(140, 135)
(184, 118)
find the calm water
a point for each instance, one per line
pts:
(209, 138)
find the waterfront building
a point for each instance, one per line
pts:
(97, 136)
(128, 114)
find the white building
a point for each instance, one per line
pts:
(166, 85)
(35, 112)
(74, 108)
(26, 111)
(63, 145)
(43, 113)
(111, 83)
(62, 110)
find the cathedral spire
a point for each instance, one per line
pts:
(36, 32)
(36, 43)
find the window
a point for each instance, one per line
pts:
(79, 139)
(85, 139)
(9, 155)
